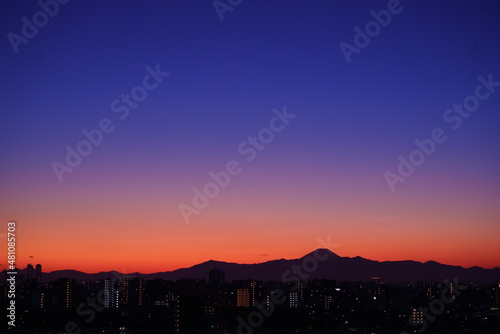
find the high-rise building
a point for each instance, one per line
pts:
(216, 276)
(295, 290)
(30, 272)
(159, 292)
(187, 314)
(293, 299)
(417, 317)
(66, 287)
(38, 300)
(110, 293)
(132, 293)
(69, 290)
(243, 298)
(38, 273)
(321, 293)
(328, 302)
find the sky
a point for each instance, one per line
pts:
(322, 172)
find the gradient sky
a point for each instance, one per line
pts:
(322, 175)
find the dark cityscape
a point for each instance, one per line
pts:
(134, 305)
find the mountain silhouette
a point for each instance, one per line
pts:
(321, 263)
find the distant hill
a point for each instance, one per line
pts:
(332, 267)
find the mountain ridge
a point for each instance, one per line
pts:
(325, 264)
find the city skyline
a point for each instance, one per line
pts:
(319, 255)
(126, 304)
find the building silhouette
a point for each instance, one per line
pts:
(132, 292)
(110, 293)
(30, 272)
(216, 277)
(38, 273)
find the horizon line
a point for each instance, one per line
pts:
(256, 263)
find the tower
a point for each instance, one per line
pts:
(38, 273)
(30, 272)
(216, 276)
(242, 298)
